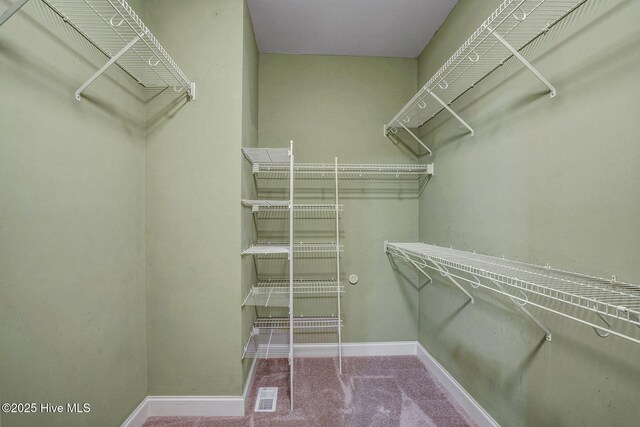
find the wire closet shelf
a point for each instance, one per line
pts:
(280, 209)
(279, 248)
(270, 337)
(512, 26)
(614, 305)
(116, 30)
(275, 293)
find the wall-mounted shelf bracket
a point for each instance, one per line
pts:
(11, 11)
(445, 273)
(453, 113)
(416, 138)
(520, 305)
(104, 68)
(552, 89)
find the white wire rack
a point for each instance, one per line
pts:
(280, 209)
(375, 172)
(585, 299)
(115, 29)
(275, 293)
(278, 248)
(513, 25)
(267, 155)
(270, 336)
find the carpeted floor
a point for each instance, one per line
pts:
(372, 391)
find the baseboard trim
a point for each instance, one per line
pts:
(476, 412)
(394, 348)
(234, 406)
(138, 416)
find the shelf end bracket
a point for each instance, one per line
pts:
(552, 89)
(109, 63)
(11, 11)
(453, 113)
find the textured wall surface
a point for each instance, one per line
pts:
(336, 106)
(545, 181)
(193, 190)
(72, 300)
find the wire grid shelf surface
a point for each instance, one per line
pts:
(267, 155)
(278, 248)
(280, 209)
(110, 25)
(517, 21)
(275, 293)
(269, 337)
(392, 172)
(605, 297)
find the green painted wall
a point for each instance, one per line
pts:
(545, 181)
(249, 139)
(335, 106)
(193, 190)
(72, 300)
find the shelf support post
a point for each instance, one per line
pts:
(109, 63)
(453, 113)
(546, 330)
(552, 89)
(416, 138)
(11, 11)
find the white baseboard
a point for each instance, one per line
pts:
(394, 348)
(138, 416)
(186, 406)
(462, 397)
(233, 406)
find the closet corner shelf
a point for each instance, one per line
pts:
(610, 307)
(116, 30)
(511, 27)
(269, 336)
(275, 293)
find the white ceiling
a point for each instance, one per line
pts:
(395, 28)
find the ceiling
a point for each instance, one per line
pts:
(393, 28)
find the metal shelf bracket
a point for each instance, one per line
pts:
(547, 332)
(453, 113)
(552, 89)
(11, 11)
(104, 68)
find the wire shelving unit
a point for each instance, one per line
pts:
(269, 336)
(275, 293)
(299, 248)
(511, 27)
(274, 336)
(276, 209)
(609, 306)
(372, 172)
(114, 28)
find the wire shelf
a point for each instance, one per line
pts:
(269, 337)
(518, 21)
(375, 172)
(280, 209)
(540, 286)
(275, 293)
(267, 155)
(112, 24)
(279, 248)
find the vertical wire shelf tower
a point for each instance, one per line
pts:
(274, 337)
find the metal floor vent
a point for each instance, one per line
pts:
(267, 399)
